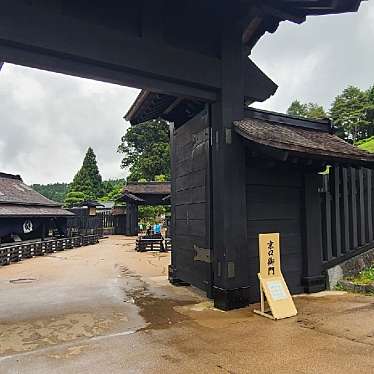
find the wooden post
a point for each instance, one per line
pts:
(337, 241)
(313, 279)
(128, 218)
(353, 210)
(229, 226)
(369, 206)
(345, 211)
(361, 200)
(43, 230)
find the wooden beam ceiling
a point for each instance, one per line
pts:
(56, 42)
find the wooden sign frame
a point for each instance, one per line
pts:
(273, 288)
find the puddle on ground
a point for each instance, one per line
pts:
(158, 312)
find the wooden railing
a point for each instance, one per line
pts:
(21, 251)
(347, 213)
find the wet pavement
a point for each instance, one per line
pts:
(108, 309)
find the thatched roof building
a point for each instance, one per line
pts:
(24, 212)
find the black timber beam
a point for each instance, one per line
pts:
(229, 229)
(56, 42)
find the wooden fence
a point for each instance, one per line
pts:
(21, 251)
(103, 223)
(107, 219)
(347, 213)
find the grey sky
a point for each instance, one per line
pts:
(48, 120)
(316, 60)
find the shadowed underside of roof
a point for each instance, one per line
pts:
(10, 210)
(153, 105)
(265, 15)
(314, 7)
(146, 193)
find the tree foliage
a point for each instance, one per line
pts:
(306, 110)
(146, 150)
(350, 111)
(74, 198)
(53, 191)
(88, 179)
(113, 190)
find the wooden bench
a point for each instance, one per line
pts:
(149, 244)
(167, 244)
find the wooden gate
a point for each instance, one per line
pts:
(347, 213)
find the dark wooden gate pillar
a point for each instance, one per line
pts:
(229, 226)
(313, 279)
(131, 219)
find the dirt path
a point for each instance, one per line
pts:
(107, 309)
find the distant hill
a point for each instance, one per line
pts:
(366, 144)
(57, 191)
(53, 191)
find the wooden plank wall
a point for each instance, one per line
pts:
(274, 204)
(347, 212)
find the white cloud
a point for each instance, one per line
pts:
(49, 120)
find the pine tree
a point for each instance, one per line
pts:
(88, 179)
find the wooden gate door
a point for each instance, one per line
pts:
(191, 202)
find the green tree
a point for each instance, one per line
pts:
(370, 110)
(306, 110)
(146, 150)
(349, 113)
(110, 185)
(73, 198)
(315, 111)
(88, 179)
(114, 194)
(297, 109)
(52, 191)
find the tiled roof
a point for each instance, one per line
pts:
(311, 142)
(13, 190)
(18, 199)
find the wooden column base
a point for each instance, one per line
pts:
(228, 299)
(314, 284)
(174, 280)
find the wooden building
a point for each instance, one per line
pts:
(283, 157)
(25, 214)
(142, 193)
(194, 49)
